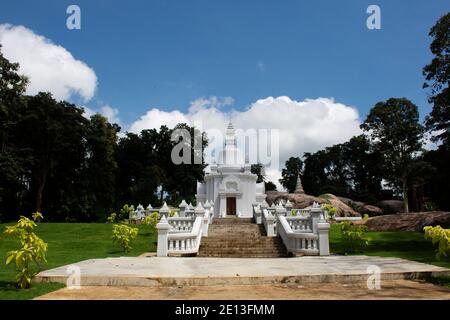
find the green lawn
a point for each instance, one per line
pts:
(72, 242)
(68, 243)
(400, 244)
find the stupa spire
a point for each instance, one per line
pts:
(299, 187)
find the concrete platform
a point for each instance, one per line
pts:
(154, 271)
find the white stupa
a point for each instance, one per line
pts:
(230, 184)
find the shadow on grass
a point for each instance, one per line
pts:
(8, 286)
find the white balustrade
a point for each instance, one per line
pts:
(181, 224)
(186, 243)
(297, 242)
(299, 223)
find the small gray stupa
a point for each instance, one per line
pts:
(299, 187)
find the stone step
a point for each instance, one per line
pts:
(239, 238)
(214, 247)
(233, 220)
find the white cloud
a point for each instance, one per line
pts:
(304, 126)
(49, 67)
(110, 113)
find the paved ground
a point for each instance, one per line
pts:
(154, 271)
(390, 289)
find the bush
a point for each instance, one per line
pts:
(112, 218)
(440, 236)
(152, 219)
(32, 249)
(331, 209)
(354, 236)
(126, 212)
(123, 235)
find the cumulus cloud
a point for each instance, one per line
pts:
(110, 113)
(48, 66)
(303, 126)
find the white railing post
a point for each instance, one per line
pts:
(288, 207)
(269, 223)
(316, 212)
(200, 212)
(323, 229)
(164, 211)
(183, 205)
(163, 230)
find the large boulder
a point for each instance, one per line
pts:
(302, 200)
(343, 210)
(391, 206)
(409, 221)
(370, 210)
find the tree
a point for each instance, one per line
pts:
(101, 165)
(57, 149)
(394, 128)
(258, 169)
(12, 160)
(437, 76)
(293, 168)
(270, 186)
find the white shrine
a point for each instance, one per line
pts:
(230, 185)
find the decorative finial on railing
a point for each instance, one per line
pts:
(183, 204)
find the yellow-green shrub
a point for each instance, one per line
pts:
(112, 218)
(330, 208)
(152, 219)
(32, 249)
(123, 235)
(440, 236)
(354, 236)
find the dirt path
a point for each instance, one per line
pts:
(396, 289)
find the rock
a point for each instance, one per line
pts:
(301, 201)
(371, 210)
(351, 202)
(409, 221)
(343, 210)
(391, 206)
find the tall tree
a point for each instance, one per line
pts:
(12, 160)
(56, 145)
(394, 127)
(293, 168)
(437, 76)
(101, 166)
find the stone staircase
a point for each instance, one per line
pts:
(233, 237)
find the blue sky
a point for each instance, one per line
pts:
(168, 53)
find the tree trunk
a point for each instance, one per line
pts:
(405, 194)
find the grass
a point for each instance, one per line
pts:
(68, 243)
